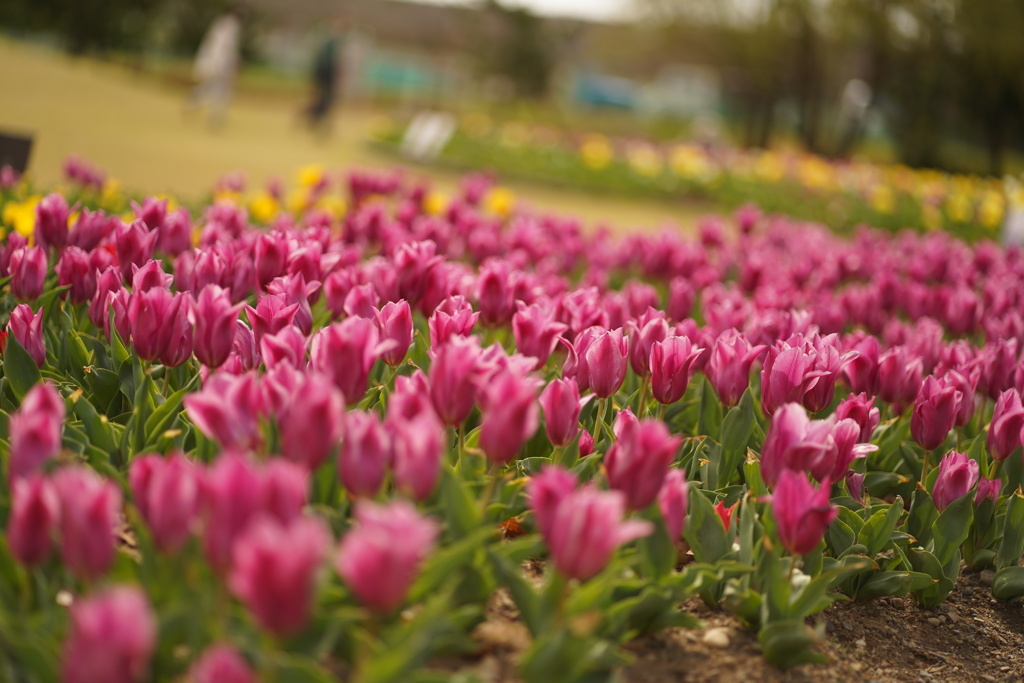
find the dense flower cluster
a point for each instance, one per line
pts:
(212, 407)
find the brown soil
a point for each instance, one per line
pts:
(971, 637)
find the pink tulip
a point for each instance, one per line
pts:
(494, 294)
(35, 512)
(311, 424)
(638, 460)
(454, 317)
(150, 315)
(510, 416)
(606, 362)
(957, 476)
(417, 454)
(271, 315)
(89, 509)
(296, 291)
(802, 512)
(362, 301)
(453, 379)
(135, 245)
(166, 492)
(111, 638)
(271, 252)
(672, 365)
(586, 528)
(365, 454)
(52, 214)
(285, 489)
(672, 502)
(288, 346)
(381, 555)
(221, 664)
(934, 413)
(35, 430)
(561, 403)
(586, 443)
(988, 488)
(273, 571)
(545, 492)
(214, 317)
(536, 332)
(228, 410)
(394, 321)
(75, 269)
(861, 410)
(899, 376)
(796, 443)
(681, 296)
(1005, 432)
(788, 374)
(728, 367)
(862, 371)
(150, 276)
(108, 282)
(27, 328)
(644, 334)
(346, 352)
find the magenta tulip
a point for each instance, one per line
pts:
(453, 377)
(273, 571)
(536, 332)
(221, 664)
(346, 352)
(214, 317)
(35, 512)
(796, 443)
(75, 270)
(562, 404)
(606, 362)
(52, 213)
(311, 424)
(545, 492)
(365, 454)
(728, 367)
(672, 365)
(958, 474)
(672, 502)
(638, 460)
(381, 555)
(35, 430)
(166, 493)
(111, 638)
(802, 512)
(1005, 431)
(27, 329)
(89, 509)
(417, 454)
(394, 322)
(934, 413)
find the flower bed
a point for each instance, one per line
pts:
(317, 441)
(840, 194)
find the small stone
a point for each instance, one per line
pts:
(968, 590)
(934, 622)
(953, 615)
(942, 618)
(986, 577)
(861, 643)
(857, 666)
(717, 637)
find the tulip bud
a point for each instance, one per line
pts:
(394, 322)
(586, 443)
(536, 332)
(361, 301)
(728, 367)
(221, 664)
(270, 256)
(311, 425)
(111, 638)
(380, 556)
(787, 375)
(586, 528)
(271, 315)
(28, 273)
(273, 571)
(108, 282)
(35, 511)
(802, 512)
(561, 403)
(510, 416)
(934, 413)
(74, 269)
(89, 508)
(286, 347)
(988, 488)
(52, 214)
(228, 410)
(494, 294)
(861, 410)
(28, 330)
(35, 430)
(796, 443)
(638, 460)
(417, 454)
(214, 317)
(681, 296)
(150, 276)
(606, 362)
(166, 492)
(453, 379)
(672, 364)
(957, 476)
(454, 317)
(545, 492)
(1005, 431)
(346, 352)
(672, 502)
(365, 454)
(642, 339)
(179, 334)
(135, 244)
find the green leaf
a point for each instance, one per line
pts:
(787, 643)
(298, 669)
(704, 530)
(19, 368)
(163, 417)
(461, 511)
(952, 528)
(878, 529)
(885, 584)
(710, 421)
(447, 561)
(658, 550)
(1008, 583)
(523, 594)
(736, 430)
(839, 536)
(1012, 545)
(921, 519)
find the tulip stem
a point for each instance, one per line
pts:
(993, 472)
(269, 669)
(792, 568)
(489, 486)
(644, 384)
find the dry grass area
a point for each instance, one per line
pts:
(135, 127)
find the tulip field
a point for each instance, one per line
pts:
(313, 434)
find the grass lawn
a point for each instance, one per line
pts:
(134, 126)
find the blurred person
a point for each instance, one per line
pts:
(326, 76)
(216, 64)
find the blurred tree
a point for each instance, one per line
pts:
(517, 48)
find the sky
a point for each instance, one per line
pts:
(583, 9)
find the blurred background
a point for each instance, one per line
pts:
(912, 107)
